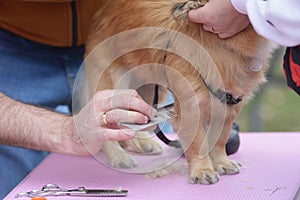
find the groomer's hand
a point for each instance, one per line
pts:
(220, 17)
(99, 121)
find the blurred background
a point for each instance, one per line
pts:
(276, 107)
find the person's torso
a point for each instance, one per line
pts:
(53, 22)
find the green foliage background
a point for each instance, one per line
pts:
(276, 107)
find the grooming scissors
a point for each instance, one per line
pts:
(55, 190)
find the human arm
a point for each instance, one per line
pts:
(33, 127)
(276, 20)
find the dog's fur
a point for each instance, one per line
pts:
(189, 84)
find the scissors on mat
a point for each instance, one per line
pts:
(55, 190)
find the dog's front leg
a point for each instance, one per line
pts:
(190, 128)
(200, 165)
(117, 156)
(222, 164)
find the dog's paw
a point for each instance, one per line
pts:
(144, 143)
(201, 171)
(122, 161)
(117, 156)
(151, 146)
(227, 167)
(204, 176)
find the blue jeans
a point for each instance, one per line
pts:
(35, 74)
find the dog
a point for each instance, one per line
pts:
(144, 43)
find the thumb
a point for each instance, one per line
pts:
(196, 15)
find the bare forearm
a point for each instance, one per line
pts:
(35, 128)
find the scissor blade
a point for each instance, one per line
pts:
(107, 193)
(163, 113)
(156, 120)
(97, 193)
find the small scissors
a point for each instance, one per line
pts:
(55, 190)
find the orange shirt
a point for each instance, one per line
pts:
(61, 23)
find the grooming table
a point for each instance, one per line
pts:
(271, 170)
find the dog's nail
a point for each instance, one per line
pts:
(222, 171)
(193, 180)
(208, 179)
(216, 178)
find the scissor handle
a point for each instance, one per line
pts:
(47, 190)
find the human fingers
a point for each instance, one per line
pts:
(118, 134)
(117, 116)
(197, 15)
(123, 99)
(235, 28)
(139, 105)
(114, 118)
(209, 28)
(225, 35)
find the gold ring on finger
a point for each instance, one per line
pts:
(104, 118)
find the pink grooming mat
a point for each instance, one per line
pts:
(271, 170)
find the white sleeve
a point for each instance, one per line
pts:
(277, 20)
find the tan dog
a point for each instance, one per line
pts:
(211, 78)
